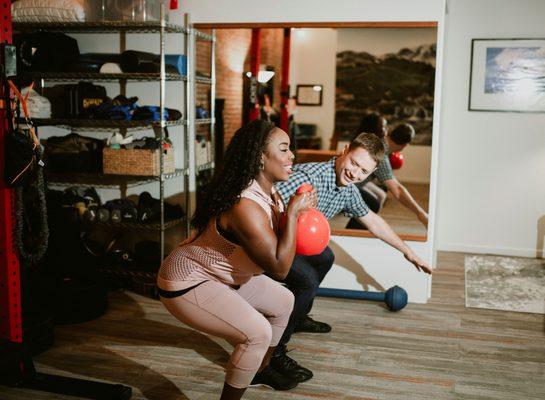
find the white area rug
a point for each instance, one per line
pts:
(505, 283)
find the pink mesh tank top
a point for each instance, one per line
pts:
(212, 257)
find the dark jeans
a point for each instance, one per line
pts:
(304, 278)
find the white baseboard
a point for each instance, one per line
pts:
(501, 251)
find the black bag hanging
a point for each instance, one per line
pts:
(23, 170)
(21, 158)
(32, 230)
(21, 147)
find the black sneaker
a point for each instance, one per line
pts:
(287, 366)
(271, 378)
(307, 324)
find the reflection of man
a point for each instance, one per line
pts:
(334, 182)
(396, 141)
(371, 193)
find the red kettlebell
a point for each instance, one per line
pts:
(312, 229)
(396, 160)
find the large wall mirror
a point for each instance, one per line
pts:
(343, 79)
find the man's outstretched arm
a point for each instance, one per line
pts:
(383, 231)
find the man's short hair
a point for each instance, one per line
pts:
(370, 142)
(402, 134)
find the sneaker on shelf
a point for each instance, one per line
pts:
(287, 366)
(273, 379)
(307, 324)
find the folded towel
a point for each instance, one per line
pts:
(110, 68)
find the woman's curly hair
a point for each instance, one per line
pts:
(241, 164)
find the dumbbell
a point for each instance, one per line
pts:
(95, 213)
(91, 212)
(395, 297)
(122, 210)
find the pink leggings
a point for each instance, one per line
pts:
(251, 318)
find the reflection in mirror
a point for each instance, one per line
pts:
(343, 81)
(381, 81)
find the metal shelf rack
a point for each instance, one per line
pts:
(140, 225)
(113, 77)
(103, 125)
(189, 122)
(101, 27)
(107, 181)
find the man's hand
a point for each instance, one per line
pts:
(419, 264)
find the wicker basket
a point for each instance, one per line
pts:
(140, 162)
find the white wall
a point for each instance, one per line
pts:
(309, 11)
(491, 193)
(313, 61)
(370, 264)
(364, 252)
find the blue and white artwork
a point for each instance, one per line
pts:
(515, 69)
(508, 75)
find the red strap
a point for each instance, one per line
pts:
(22, 99)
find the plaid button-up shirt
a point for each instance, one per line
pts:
(332, 199)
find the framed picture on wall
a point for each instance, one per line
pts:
(309, 95)
(507, 75)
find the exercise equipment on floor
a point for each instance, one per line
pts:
(395, 297)
(396, 160)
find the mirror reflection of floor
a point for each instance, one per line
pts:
(400, 218)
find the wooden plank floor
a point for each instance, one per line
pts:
(440, 350)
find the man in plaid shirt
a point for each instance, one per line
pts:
(334, 182)
(395, 141)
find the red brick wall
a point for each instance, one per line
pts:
(232, 50)
(232, 62)
(202, 66)
(271, 54)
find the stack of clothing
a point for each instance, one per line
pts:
(38, 106)
(125, 109)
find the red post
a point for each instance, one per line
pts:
(255, 62)
(10, 284)
(284, 85)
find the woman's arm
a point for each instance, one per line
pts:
(251, 226)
